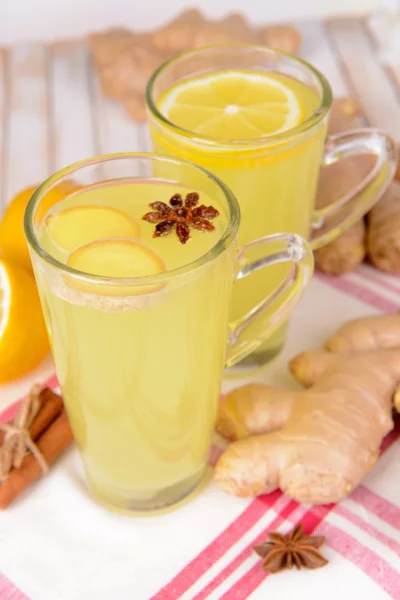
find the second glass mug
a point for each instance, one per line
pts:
(273, 177)
(140, 372)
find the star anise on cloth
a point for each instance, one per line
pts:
(181, 215)
(282, 552)
(17, 440)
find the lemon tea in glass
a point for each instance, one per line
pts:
(135, 270)
(257, 119)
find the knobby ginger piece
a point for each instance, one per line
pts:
(257, 408)
(345, 114)
(252, 409)
(281, 37)
(124, 60)
(348, 251)
(358, 336)
(383, 237)
(344, 254)
(311, 366)
(397, 174)
(105, 47)
(192, 30)
(366, 333)
(331, 438)
(339, 179)
(175, 36)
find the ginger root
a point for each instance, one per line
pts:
(397, 174)
(125, 60)
(281, 37)
(345, 114)
(252, 409)
(378, 239)
(366, 333)
(344, 254)
(383, 237)
(192, 30)
(330, 433)
(348, 251)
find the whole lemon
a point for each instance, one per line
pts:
(23, 337)
(13, 245)
(12, 238)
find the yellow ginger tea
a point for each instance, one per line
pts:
(275, 180)
(139, 366)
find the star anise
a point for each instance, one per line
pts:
(294, 549)
(181, 215)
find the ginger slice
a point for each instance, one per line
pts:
(115, 258)
(79, 225)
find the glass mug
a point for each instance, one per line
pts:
(140, 360)
(273, 177)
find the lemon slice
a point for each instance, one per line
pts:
(23, 336)
(233, 105)
(115, 258)
(79, 225)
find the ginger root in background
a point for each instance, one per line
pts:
(377, 236)
(383, 236)
(315, 445)
(125, 60)
(349, 250)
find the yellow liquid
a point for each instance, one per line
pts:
(274, 183)
(141, 376)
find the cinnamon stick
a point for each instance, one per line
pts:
(51, 405)
(51, 444)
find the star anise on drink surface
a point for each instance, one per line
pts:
(181, 215)
(295, 549)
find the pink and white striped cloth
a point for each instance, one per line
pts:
(57, 544)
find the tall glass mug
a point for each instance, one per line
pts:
(257, 119)
(138, 324)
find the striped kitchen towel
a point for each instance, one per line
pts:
(56, 543)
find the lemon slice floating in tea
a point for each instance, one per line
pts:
(79, 225)
(233, 105)
(115, 258)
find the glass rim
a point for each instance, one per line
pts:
(222, 244)
(319, 113)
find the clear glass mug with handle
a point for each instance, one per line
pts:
(140, 359)
(274, 176)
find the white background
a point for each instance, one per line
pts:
(49, 19)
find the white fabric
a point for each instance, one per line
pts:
(56, 543)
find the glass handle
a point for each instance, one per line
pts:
(329, 222)
(274, 310)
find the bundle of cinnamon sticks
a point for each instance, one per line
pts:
(31, 443)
